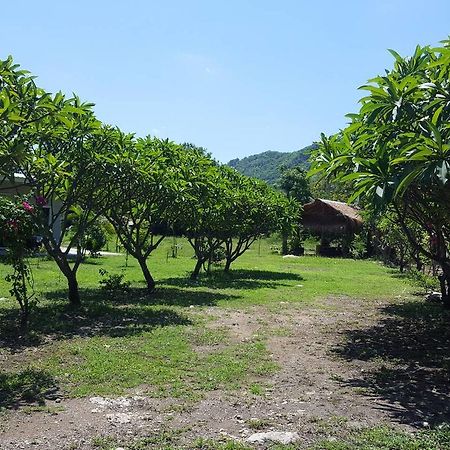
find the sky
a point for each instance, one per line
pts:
(236, 77)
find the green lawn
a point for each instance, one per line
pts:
(124, 340)
(119, 342)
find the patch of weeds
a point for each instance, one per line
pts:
(27, 386)
(384, 438)
(336, 377)
(163, 359)
(207, 336)
(281, 331)
(104, 443)
(209, 444)
(259, 424)
(361, 390)
(426, 282)
(53, 410)
(162, 440)
(229, 367)
(283, 447)
(257, 389)
(330, 425)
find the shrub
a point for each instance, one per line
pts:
(113, 282)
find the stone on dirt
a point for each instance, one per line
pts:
(434, 297)
(281, 437)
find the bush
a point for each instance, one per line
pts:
(95, 240)
(113, 282)
(425, 281)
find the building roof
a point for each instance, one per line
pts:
(329, 216)
(345, 209)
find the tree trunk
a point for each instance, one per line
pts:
(284, 243)
(60, 258)
(197, 268)
(445, 284)
(147, 275)
(24, 314)
(72, 282)
(227, 265)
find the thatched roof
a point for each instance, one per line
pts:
(328, 216)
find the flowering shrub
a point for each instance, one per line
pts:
(18, 224)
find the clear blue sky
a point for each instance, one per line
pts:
(237, 77)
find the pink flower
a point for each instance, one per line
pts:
(41, 201)
(13, 224)
(27, 207)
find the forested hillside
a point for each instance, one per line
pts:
(267, 165)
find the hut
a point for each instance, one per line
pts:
(330, 220)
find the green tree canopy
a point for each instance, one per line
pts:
(396, 150)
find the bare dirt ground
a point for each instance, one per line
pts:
(341, 368)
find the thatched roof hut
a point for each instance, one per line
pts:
(331, 218)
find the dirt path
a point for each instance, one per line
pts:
(313, 394)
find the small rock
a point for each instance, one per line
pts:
(120, 418)
(281, 437)
(434, 297)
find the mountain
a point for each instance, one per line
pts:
(267, 165)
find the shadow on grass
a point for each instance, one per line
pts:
(238, 279)
(411, 351)
(101, 313)
(28, 386)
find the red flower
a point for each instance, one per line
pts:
(13, 224)
(41, 201)
(27, 207)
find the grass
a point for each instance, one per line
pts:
(162, 359)
(384, 438)
(376, 438)
(117, 342)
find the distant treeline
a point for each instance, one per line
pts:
(268, 165)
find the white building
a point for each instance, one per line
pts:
(19, 186)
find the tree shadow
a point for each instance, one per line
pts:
(25, 387)
(238, 279)
(102, 313)
(411, 351)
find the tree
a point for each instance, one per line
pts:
(55, 143)
(255, 210)
(396, 151)
(18, 223)
(295, 184)
(153, 180)
(204, 215)
(395, 245)
(22, 104)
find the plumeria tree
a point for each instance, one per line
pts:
(22, 104)
(66, 169)
(55, 144)
(255, 210)
(396, 151)
(19, 221)
(153, 181)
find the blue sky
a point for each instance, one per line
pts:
(236, 77)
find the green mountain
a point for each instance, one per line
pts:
(267, 166)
